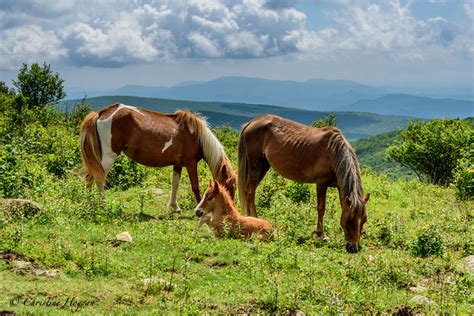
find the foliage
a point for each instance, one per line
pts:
(298, 192)
(371, 152)
(464, 175)
(330, 120)
(39, 85)
(432, 149)
(428, 242)
(125, 173)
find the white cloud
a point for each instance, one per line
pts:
(28, 44)
(115, 33)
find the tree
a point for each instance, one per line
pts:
(433, 149)
(330, 120)
(39, 85)
(5, 90)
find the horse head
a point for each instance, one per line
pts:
(209, 201)
(353, 218)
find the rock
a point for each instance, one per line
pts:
(421, 300)
(298, 313)
(20, 265)
(124, 236)
(18, 208)
(47, 273)
(468, 264)
(418, 289)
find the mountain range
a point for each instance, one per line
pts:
(354, 125)
(314, 94)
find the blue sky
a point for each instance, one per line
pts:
(105, 44)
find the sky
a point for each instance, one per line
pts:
(97, 45)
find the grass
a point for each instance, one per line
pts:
(197, 273)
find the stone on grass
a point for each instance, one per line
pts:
(157, 191)
(421, 300)
(418, 289)
(468, 264)
(124, 236)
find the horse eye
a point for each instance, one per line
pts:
(210, 198)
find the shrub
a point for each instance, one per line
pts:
(464, 176)
(428, 242)
(125, 174)
(432, 149)
(298, 192)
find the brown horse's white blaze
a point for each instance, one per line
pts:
(304, 154)
(153, 139)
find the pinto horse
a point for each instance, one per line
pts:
(304, 154)
(152, 139)
(217, 210)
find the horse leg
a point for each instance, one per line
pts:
(193, 177)
(255, 176)
(173, 205)
(321, 192)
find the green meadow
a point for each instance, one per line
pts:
(413, 244)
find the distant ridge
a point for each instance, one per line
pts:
(354, 125)
(402, 104)
(313, 94)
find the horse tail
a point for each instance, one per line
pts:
(243, 172)
(90, 150)
(213, 151)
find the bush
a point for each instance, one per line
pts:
(428, 242)
(432, 149)
(464, 176)
(298, 192)
(125, 174)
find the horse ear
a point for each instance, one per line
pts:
(224, 174)
(366, 199)
(216, 186)
(348, 200)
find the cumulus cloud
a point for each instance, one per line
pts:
(115, 33)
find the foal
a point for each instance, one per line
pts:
(217, 210)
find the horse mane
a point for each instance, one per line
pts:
(346, 168)
(212, 149)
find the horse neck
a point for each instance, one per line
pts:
(228, 204)
(212, 149)
(346, 168)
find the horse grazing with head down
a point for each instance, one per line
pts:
(152, 139)
(304, 154)
(217, 210)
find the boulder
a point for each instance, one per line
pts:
(124, 237)
(468, 264)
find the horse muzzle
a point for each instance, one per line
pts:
(351, 248)
(198, 212)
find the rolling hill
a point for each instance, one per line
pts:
(353, 124)
(403, 104)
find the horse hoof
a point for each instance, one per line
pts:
(174, 208)
(320, 236)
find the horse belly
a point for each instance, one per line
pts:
(297, 165)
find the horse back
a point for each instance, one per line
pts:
(296, 151)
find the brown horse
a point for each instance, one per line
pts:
(304, 154)
(217, 210)
(152, 139)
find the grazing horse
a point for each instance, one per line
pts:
(152, 139)
(217, 210)
(304, 154)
